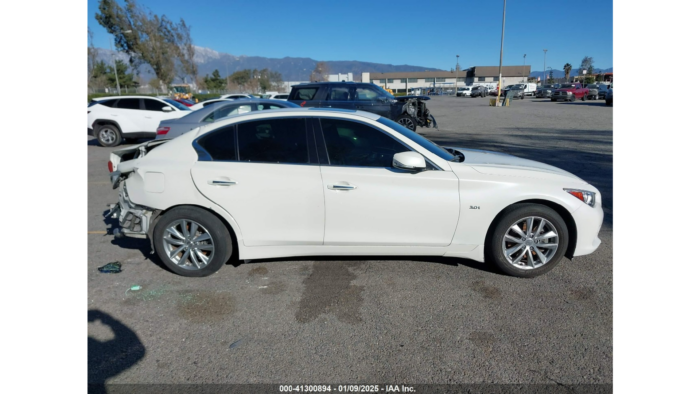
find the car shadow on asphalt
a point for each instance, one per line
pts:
(450, 261)
(113, 356)
(142, 245)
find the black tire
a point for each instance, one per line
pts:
(583, 98)
(408, 122)
(220, 238)
(573, 98)
(553, 99)
(494, 243)
(108, 135)
(608, 102)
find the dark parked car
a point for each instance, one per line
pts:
(546, 90)
(480, 91)
(169, 129)
(408, 111)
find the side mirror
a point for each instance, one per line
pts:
(411, 161)
(167, 109)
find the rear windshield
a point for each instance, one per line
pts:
(304, 93)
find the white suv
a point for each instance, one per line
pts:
(113, 119)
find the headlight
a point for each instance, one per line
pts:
(583, 195)
(568, 92)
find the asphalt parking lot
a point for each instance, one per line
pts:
(368, 320)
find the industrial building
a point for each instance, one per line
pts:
(480, 75)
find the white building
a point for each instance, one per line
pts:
(339, 77)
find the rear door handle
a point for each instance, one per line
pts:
(222, 183)
(342, 187)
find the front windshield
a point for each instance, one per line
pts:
(567, 85)
(177, 105)
(418, 139)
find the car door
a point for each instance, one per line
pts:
(339, 96)
(265, 173)
(153, 114)
(370, 203)
(130, 116)
(369, 98)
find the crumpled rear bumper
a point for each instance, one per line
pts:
(135, 220)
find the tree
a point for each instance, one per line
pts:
(146, 37)
(92, 57)
(551, 77)
(241, 78)
(155, 84)
(185, 50)
(99, 77)
(320, 73)
(215, 82)
(586, 64)
(567, 71)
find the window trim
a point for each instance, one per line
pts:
(323, 150)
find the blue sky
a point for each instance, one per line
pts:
(421, 33)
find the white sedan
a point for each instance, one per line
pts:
(316, 182)
(207, 103)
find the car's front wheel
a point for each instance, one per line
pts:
(192, 242)
(407, 121)
(528, 240)
(109, 135)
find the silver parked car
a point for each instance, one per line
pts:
(597, 91)
(175, 127)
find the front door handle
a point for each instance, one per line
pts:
(342, 187)
(222, 183)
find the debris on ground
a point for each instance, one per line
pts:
(235, 344)
(133, 288)
(114, 267)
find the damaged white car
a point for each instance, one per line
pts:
(316, 182)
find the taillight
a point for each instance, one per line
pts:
(110, 166)
(162, 130)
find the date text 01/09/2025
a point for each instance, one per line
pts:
(347, 388)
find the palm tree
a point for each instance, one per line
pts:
(567, 71)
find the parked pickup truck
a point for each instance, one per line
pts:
(570, 92)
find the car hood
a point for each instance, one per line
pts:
(497, 163)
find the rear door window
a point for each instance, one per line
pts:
(129, 103)
(220, 144)
(273, 141)
(304, 93)
(339, 93)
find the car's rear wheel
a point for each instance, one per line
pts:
(528, 240)
(192, 242)
(109, 135)
(407, 121)
(608, 102)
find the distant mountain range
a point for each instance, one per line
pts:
(291, 68)
(574, 72)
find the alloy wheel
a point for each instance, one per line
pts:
(108, 136)
(530, 243)
(407, 123)
(188, 244)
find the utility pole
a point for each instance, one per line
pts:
(456, 75)
(545, 67)
(116, 74)
(500, 62)
(525, 55)
(227, 90)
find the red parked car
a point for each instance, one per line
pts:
(185, 102)
(570, 92)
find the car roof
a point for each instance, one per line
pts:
(305, 111)
(124, 97)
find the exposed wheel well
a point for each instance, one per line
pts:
(101, 122)
(158, 214)
(563, 212)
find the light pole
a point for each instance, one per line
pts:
(456, 75)
(545, 66)
(524, 56)
(114, 63)
(500, 62)
(550, 69)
